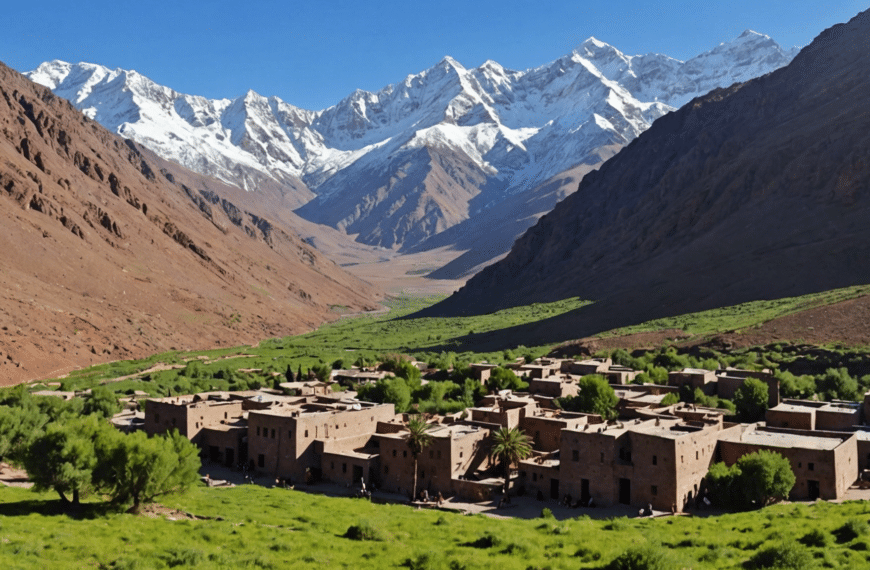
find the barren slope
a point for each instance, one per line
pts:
(108, 252)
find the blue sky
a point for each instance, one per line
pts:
(312, 54)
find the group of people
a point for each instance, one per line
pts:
(424, 497)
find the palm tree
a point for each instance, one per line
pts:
(418, 438)
(510, 446)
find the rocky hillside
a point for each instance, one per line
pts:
(757, 191)
(110, 252)
(399, 167)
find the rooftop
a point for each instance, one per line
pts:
(786, 440)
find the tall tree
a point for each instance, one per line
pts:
(510, 446)
(64, 457)
(751, 399)
(594, 396)
(418, 439)
(138, 469)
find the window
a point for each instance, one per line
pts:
(261, 460)
(225, 415)
(258, 430)
(460, 455)
(386, 469)
(681, 459)
(405, 453)
(290, 434)
(534, 476)
(394, 453)
(439, 454)
(811, 466)
(575, 455)
(655, 459)
(696, 454)
(602, 457)
(273, 433)
(332, 465)
(344, 467)
(306, 433)
(173, 422)
(431, 454)
(654, 490)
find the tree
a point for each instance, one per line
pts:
(837, 384)
(594, 396)
(418, 439)
(102, 401)
(504, 379)
(756, 480)
(289, 374)
(135, 468)
(19, 426)
(751, 400)
(64, 457)
(510, 446)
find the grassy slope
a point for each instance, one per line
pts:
(273, 528)
(727, 319)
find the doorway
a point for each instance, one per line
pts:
(357, 473)
(584, 492)
(554, 489)
(625, 491)
(813, 490)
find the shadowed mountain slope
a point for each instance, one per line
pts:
(110, 252)
(752, 192)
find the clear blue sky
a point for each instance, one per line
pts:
(312, 53)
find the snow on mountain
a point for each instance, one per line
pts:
(493, 131)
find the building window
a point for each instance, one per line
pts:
(534, 476)
(258, 430)
(273, 433)
(386, 469)
(225, 415)
(654, 490)
(575, 455)
(460, 455)
(344, 467)
(306, 433)
(696, 454)
(394, 453)
(439, 454)
(431, 454)
(681, 459)
(290, 433)
(602, 457)
(811, 466)
(405, 453)
(332, 465)
(261, 460)
(655, 459)
(173, 422)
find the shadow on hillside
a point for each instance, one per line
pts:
(52, 508)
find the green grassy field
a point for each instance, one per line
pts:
(742, 316)
(254, 527)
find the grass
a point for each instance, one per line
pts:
(253, 527)
(346, 339)
(743, 316)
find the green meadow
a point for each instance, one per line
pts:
(255, 527)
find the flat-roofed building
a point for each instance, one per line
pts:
(587, 366)
(660, 462)
(189, 414)
(825, 464)
(448, 465)
(808, 415)
(289, 441)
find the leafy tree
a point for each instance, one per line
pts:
(594, 396)
(63, 458)
(505, 379)
(751, 400)
(670, 399)
(418, 439)
(322, 371)
(837, 384)
(136, 468)
(756, 480)
(102, 401)
(19, 426)
(792, 386)
(510, 446)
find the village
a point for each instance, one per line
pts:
(650, 456)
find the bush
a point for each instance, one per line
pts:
(815, 538)
(363, 531)
(851, 529)
(670, 399)
(783, 556)
(546, 513)
(640, 558)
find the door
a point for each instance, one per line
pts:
(357, 473)
(230, 456)
(584, 492)
(813, 490)
(625, 491)
(554, 489)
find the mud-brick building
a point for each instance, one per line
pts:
(290, 441)
(506, 410)
(190, 414)
(808, 415)
(545, 426)
(449, 465)
(659, 461)
(225, 443)
(825, 464)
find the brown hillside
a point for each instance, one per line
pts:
(758, 191)
(108, 252)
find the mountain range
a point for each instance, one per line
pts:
(755, 191)
(482, 152)
(111, 252)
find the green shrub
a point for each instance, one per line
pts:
(640, 558)
(183, 557)
(851, 529)
(586, 554)
(546, 513)
(783, 556)
(815, 538)
(363, 531)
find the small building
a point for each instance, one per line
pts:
(808, 415)
(825, 464)
(189, 414)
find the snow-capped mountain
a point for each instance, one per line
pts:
(419, 156)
